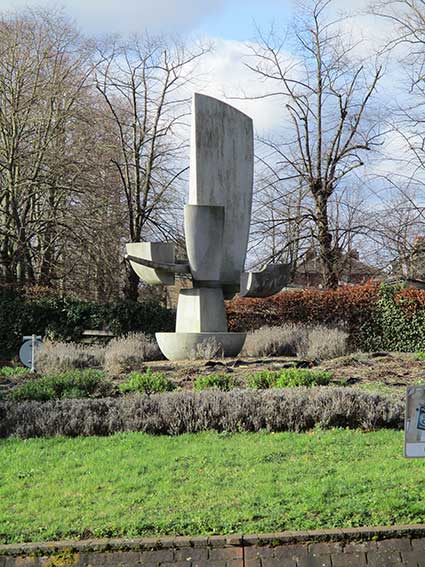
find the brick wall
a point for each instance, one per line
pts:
(362, 547)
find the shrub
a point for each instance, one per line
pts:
(399, 322)
(53, 357)
(9, 371)
(147, 383)
(288, 378)
(318, 342)
(262, 380)
(64, 318)
(376, 317)
(350, 307)
(324, 343)
(72, 384)
(292, 377)
(223, 382)
(286, 340)
(129, 353)
(420, 356)
(174, 413)
(208, 349)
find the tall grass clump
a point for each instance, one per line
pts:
(128, 353)
(54, 357)
(71, 384)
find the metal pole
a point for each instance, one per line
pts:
(33, 338)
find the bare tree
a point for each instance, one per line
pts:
(326, 93)
(143, 83)
(403, 219)
(42, 74)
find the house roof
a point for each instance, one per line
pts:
(350, 265)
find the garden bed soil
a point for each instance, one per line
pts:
(391, 372)
(381, 372)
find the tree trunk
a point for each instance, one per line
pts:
(131, 287)
(326, 250)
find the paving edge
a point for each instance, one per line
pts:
(343, 536)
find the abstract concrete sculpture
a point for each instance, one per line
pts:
(216, 222)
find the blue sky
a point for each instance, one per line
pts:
(237, 19)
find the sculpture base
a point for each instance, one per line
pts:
(184, 346)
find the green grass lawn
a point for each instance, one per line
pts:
(135, 484)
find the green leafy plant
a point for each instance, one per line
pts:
(147, 383)
(262, 380)
(223, 382)
(420, 356)
(288, 378)
(292, 377)
(72, 384)
(9, 371)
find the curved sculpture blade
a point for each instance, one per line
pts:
(266, 282)
(221, 174)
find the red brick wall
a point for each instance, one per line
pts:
(357, 547)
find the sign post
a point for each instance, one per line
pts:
(414, 425)
(27, 352)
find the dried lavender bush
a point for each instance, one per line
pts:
(286, 340)
(208, 349)
(316, 343)
(174, 413)
(128, 353)
(325, 343)
(53, 357)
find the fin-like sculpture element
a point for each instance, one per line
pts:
(221, 173)
(268, 281)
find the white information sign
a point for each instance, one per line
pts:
(414, 426)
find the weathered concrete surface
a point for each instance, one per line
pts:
(184, 346)
(221, 173)
(357, 547)
(201, 310)
(204, 226)
(266, 282)
(157, 252)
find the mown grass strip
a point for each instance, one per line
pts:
(138, 485)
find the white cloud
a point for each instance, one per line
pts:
(110, 16)
(225, 76)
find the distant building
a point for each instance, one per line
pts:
(411, 269)
(416, 261)
(351, 270)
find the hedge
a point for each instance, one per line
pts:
(174, 413)
(65, 318)
(376, 316)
